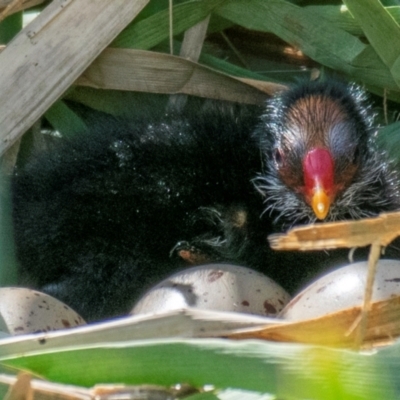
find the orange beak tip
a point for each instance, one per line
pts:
(320, 204)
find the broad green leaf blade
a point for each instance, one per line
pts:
(151, 31)
(341, 17)
(10, 27)
(315, 36)
(379, 27)
(289, 371)
(299, 26)
(369, 68)
(234, 70)
(382, 31)
(64, 120)
(394, 11)
(154, 7)
(389, 140)
(163, 362)
(218, 24)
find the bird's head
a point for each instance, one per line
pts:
(320, 159)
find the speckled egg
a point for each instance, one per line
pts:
(28, 311)
(220, 287)
(344, 288)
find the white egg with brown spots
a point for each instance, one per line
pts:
(344, 288)
(29, 311)
(218, 287)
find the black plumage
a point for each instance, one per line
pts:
(103, 215)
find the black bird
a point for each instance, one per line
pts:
(102, 216)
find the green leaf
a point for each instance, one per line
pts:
(370, 69)
(64, 120)
(317, 38)
(382, 31)
(234, 70)
(153, 30)
(314, 35)
(286, 370)
(389, 140)
(229, 68)
(379, 27)
(341, 17)
(154, 7)
(218, 24)
(10, 27)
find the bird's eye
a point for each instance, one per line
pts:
(278, 157)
